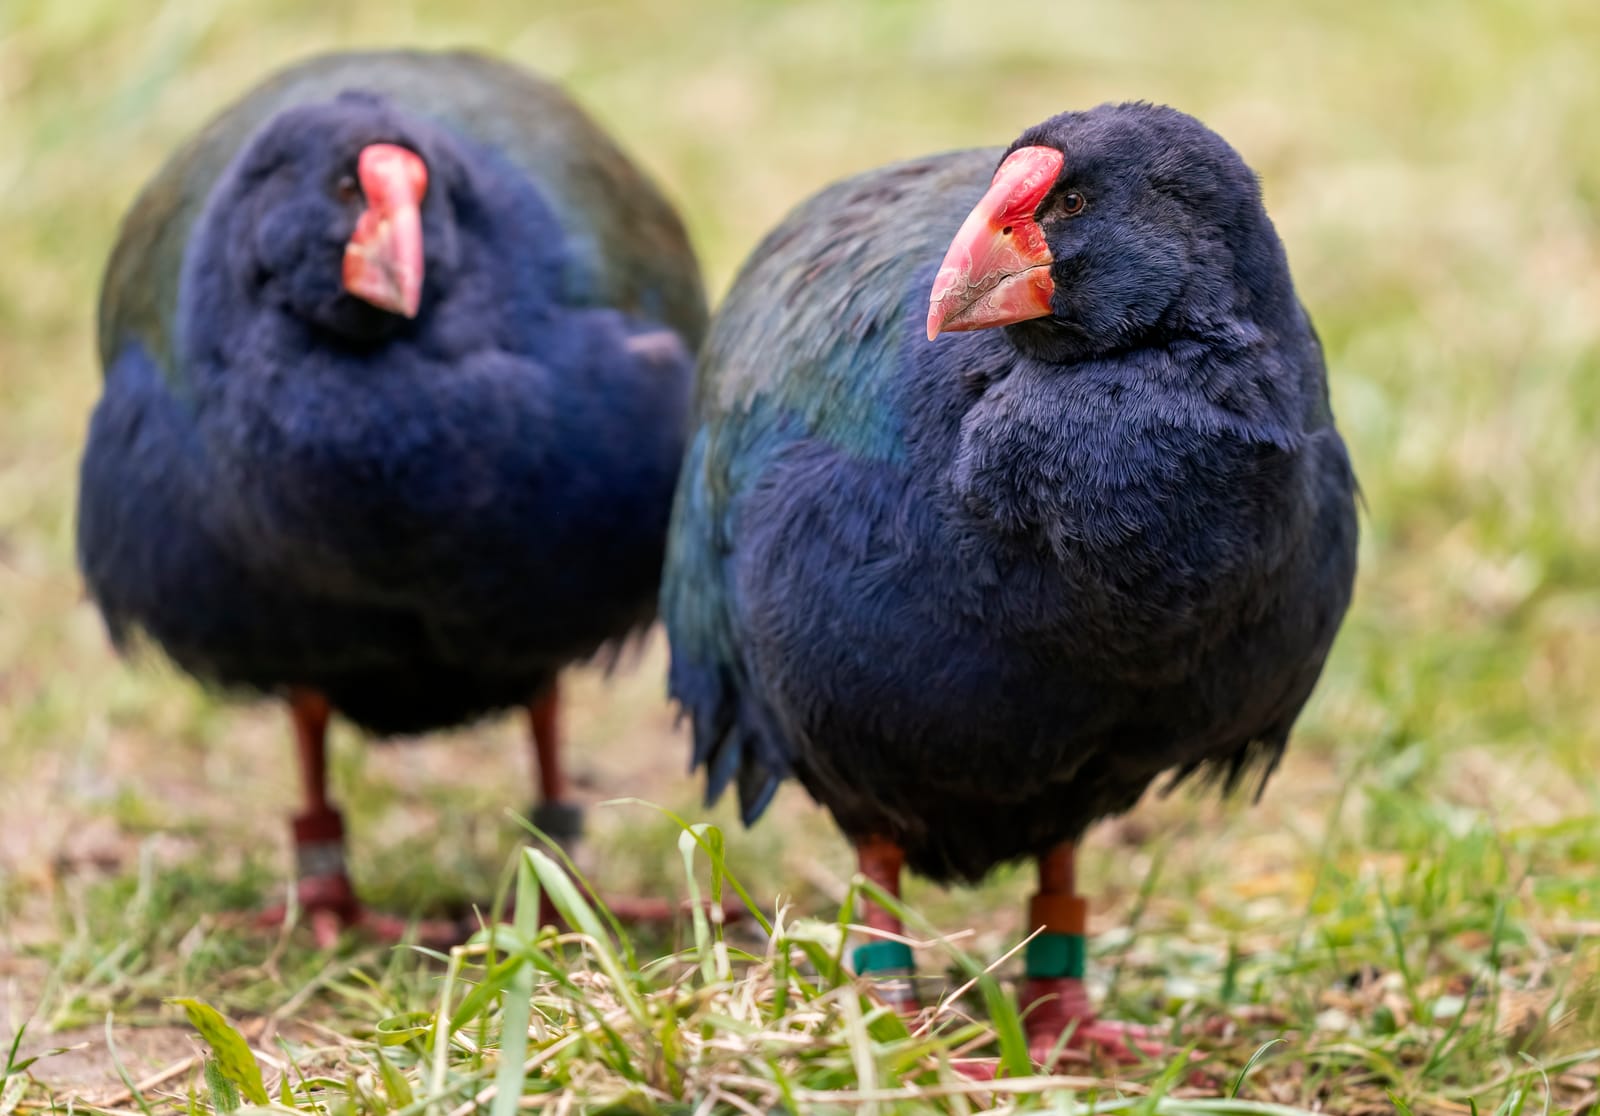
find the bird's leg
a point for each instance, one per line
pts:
(1053, 999)
(322, 884)
(561, 818)
(554, 813)
(883, 958)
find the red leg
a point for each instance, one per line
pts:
(310, 712)
(322, 885)
(544, 720)
(881, 861)
(561, 817)
(553, 813)
(1053, 998)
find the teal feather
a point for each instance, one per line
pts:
(859, 241)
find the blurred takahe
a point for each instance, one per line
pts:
(1014, 487)
(397, 358)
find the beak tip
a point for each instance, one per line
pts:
(407, 298)
(376, 280)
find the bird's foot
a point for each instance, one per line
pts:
(327, 901)
(322, 886)
(327, 904)
(1062, 1027)
(329, 919)
(646, 910)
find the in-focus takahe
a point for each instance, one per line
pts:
(978, 549)
(397, 358)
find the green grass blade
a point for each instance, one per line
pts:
(519, 999)
(442, 1030)
(732, 881)
(122, 1070)
(11, 1095)
(394, 1082)
(224, 1093)
(1244, 1074)
(233, 1056)
(567, 899)
(687, 844)
(1003, 1016)
(709, 945)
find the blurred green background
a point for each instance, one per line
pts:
(1434, 168)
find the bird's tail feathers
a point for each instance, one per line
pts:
(734, 738)
(1253, 763)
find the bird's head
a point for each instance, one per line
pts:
(1104, 227)
(337, 212)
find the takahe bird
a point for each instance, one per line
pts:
(397, 362)
(987, 524)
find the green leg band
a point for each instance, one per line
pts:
(1054, 956)
(883, 957)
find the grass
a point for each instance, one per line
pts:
(1406, 922)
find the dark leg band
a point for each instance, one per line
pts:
(562, 822)
(319, 845)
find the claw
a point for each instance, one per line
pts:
(325, 929)
(1095, 1040)
(329, 907)
(1058, 1007)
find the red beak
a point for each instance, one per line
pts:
(997, 270)
(383, 260)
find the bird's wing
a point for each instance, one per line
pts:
(804, 347)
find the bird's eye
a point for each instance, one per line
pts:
(1072, 204)
(346, 189)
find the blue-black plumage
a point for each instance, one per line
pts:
(980, 591)
(419, 504)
